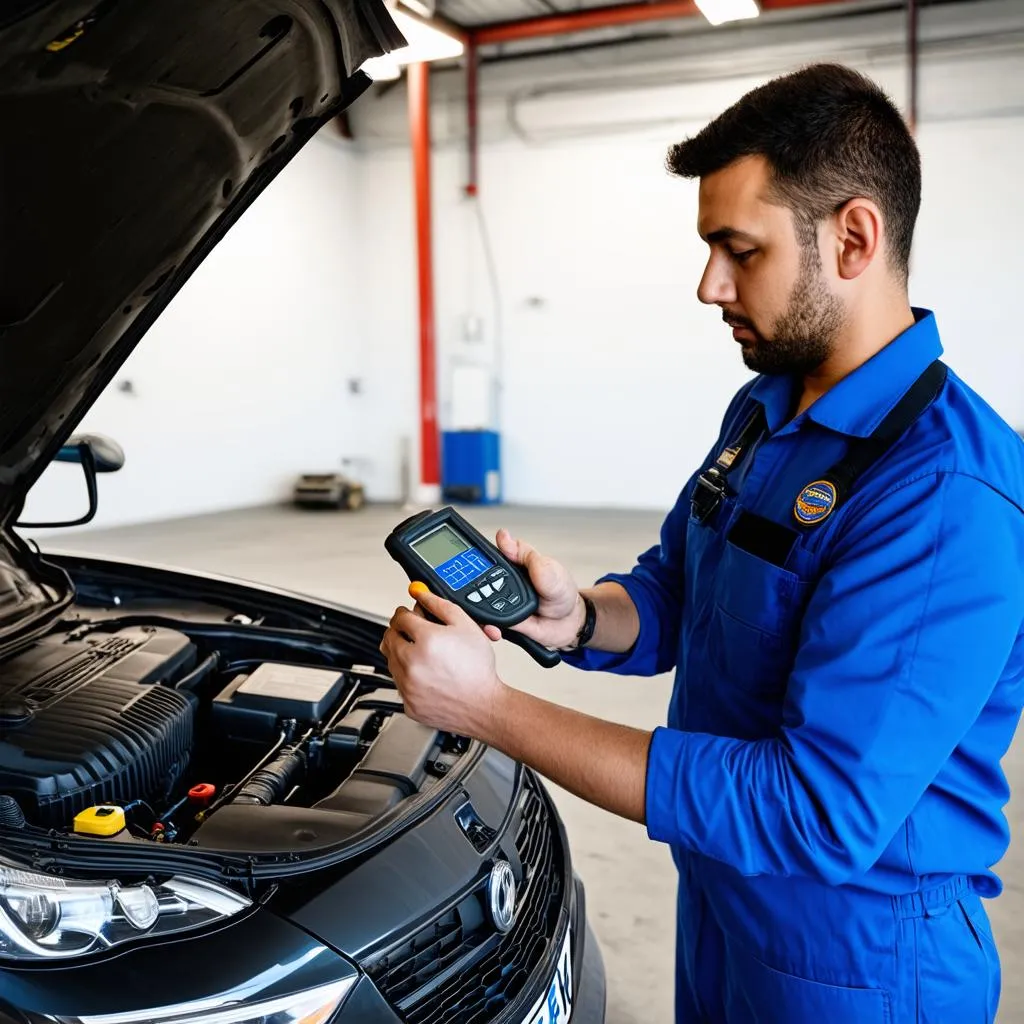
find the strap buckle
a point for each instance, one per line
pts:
(707, 495)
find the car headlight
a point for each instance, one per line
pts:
(47, 918)
(314, 1006)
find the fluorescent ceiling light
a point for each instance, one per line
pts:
(718, 12)
(382, 69)
(426, 43)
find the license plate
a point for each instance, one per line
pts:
(555, 1006)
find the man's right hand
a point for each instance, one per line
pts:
(560, 614)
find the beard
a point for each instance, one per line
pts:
(804, 336)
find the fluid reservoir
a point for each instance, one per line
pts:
(104, 820)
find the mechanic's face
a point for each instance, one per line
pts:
(767, 281)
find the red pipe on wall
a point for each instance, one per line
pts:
(472, 106)
(419, 126)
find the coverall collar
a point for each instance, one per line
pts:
(859, 402)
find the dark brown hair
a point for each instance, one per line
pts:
(829, 134)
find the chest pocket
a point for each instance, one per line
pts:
(755, 617)
(757, 604)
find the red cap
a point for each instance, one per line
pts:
(203, 793)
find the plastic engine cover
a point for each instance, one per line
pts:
(84, 722)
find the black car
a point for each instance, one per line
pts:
(212, 808)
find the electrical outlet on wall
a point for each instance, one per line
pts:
(472, 328)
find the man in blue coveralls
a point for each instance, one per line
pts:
(838, 588)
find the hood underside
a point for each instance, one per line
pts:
(135, 133)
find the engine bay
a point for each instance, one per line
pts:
(143, 732)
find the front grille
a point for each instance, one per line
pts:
(459, 969)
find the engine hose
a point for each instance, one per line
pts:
(229, 792)
(198, 674)
(11, 814)
(268, 785)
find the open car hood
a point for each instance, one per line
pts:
(135, 133)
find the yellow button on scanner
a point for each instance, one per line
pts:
(105, 820)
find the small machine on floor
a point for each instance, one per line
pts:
(328, 490)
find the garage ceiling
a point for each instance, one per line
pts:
(486, 12)
(475, 14)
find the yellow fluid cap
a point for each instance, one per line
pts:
(105, 820)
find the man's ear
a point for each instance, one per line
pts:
(858, 238)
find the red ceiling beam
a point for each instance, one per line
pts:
(607, 17)
(581, 21)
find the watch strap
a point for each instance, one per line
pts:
(586, 633)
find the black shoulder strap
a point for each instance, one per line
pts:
(753, 430)
(713, 483)
(820, 499)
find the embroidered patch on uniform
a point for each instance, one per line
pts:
(815, 502)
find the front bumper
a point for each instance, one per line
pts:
(366, 1005)
(220, 966)
(592, 989)
(452, 966)
(589, 988)
(257, 956)
(227, 964)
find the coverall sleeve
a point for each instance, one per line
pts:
(902, 644)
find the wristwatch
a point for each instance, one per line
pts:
(586, 633)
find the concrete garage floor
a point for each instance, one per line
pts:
(630, 880)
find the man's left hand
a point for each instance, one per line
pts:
(444, 670)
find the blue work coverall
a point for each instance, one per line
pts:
(829, 779)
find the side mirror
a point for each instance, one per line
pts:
(95, 454)
(106, 454)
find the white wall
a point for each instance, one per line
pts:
(242, 382)
(615, 378)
